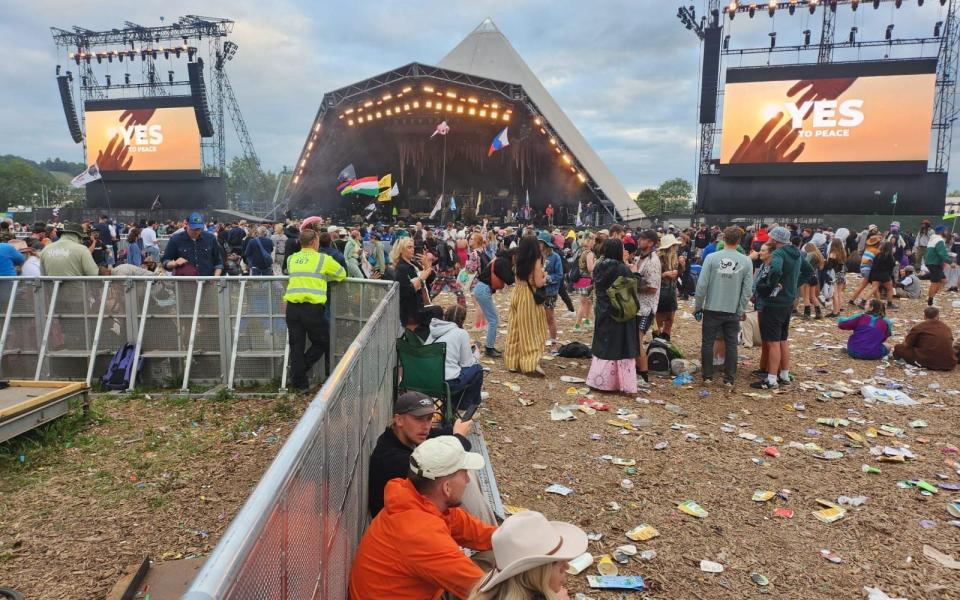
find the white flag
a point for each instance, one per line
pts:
(91, 174)
(437, 206)
(479, 200)
(579, 209)
(442, 129)
(394, 191)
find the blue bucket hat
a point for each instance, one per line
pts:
(546, 238)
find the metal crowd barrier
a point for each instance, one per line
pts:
(189, 330)
(297, 532)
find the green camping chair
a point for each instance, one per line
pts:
(422, 367)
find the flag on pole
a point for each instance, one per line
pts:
(345, 187)
(453, 204)
(949, 216)
(437, 206)
(893, 200)
(347, 174)
(366, 186)
(91, 174)
(579, 210)
(479, 200)
(386, 181)
(383, 196)
(371, 208)
(156, 203)
(394, 191)
(499, 142)
(442, 129)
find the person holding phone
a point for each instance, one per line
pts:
(414, 274)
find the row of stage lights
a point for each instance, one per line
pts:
(465, 105)
(888, 35)
(87, 57)
(791, 6)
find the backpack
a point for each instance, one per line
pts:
(495, 282)
(120, 369)
(573, 273)
(624, 303)
(658, 357)
(575, 350)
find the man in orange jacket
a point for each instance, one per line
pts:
(412, 549)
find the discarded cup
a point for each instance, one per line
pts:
(606, 566)
(642, 533)
(577, 565)
(627, 549)
(626, 484)
(693, 509)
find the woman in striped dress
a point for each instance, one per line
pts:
(527, 321)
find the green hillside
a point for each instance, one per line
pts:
(21, 178)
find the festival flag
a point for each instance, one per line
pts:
(949, 216)
(499, 142)
(394, 191)
(893, 200)
(366, 186)
(437, 206)
(383, 196)
(91, 174)
(395, 213)
(347, 174)
(372, 207)
(346, 187)
(479, 200)
(156, 203)
(386, 181)
(579, 210)
(442, 129)
(453, 204)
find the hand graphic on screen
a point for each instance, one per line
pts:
(129, 118)
(811, 90)
(115, 157)
(760, 149)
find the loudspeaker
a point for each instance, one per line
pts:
(69, 110)
(199, 91)
(711, 75)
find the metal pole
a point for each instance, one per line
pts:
(8, 317)
(96, 332)
(236, 335)
(193, 336)
(286, 362)
(139, 346)
(46, 330)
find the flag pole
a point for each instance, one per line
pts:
(443, 178)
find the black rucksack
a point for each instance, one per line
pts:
(120, 369)
(574, 350)
(573, 273)
(658, 357)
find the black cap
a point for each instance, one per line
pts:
(414, 403)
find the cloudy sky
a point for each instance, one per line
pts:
(625, 71)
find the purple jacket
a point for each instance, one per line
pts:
(869, 333)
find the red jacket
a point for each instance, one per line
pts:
(412, 552)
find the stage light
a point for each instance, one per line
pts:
(773, 39)
(732, 9)
(493, 115)
(806, 37)
(166, 53)
(472, 111)
(368, 104)
(309, 146)
(553, 141)
(406, 106)
(296, 178)
(316, 128)
(379, 114)
(543, 131)
(494, 105)
(170, 76)
(108, 80)
(726, 42)
(855, 4)
(120, 56)
(538, 121)
(833, 5)
(83, 80)
(943, 2)
(483, 112)
(812, 5)
(472, 100)
(581, 178)
(429, 104)
(177, 52)
(876, 4)
(451, 94)
(449, 107)
(936, 28)
(406, 89)
(772, 7)
(99, 59)
(460, 110)
(793, 6)
(557, 150)
(752, 9)
(898, 3)
(350, 122)
(889, 34)
(416, 104)
(428, 89)
(58, 70)
(349, 111)
(387, 97)
(506, 116)
(126, 78)
(566, 159)
(853, 35)
(389, 112)
(919, 2)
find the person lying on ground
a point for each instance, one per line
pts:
(929, 343)
(412, 549)
(870, 330)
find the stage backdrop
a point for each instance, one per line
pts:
(840, 119)
(143, 134)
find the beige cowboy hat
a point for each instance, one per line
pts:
(528, 540)
(669, 240)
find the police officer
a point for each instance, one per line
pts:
(306, 296)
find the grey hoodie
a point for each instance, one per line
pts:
(459, 354)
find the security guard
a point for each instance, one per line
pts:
(306, 296)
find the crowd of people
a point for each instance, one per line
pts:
(628, 285)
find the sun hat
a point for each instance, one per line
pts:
(528, 540)
(309, 221)
(781, 235)
(546, 238)
(441, 456)
(196, 221)
(669, 240)
(417, 404)
(71, 229)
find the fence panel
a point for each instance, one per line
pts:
(296, 535)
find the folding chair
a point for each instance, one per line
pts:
(422, 367)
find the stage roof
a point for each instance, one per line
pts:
(484, 72)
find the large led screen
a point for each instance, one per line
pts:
(834, 118)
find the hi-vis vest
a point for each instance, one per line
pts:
(309, 272)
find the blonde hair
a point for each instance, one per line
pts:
(521, 586)
(816, 259)
(396, 252)
(668, 258)
(278, 228)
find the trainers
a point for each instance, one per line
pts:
(818, 313)
(707, 380)
(549, 343)
(576, 327)
(728, 384)
(493, 353)
(806, 312)
(764, 385)
(759, 373)
(586, 322)
(785, 381)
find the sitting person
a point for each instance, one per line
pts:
(929, 344)
(531, 554)
(462, 371)
(909, 284)
(870, 330)
(413, 423)
(412, 549)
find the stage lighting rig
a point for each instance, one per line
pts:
(806, 37)
(812, 5)
(889, 34)
(936, 28)
(793, 7)
(855, 4)
(773, 39)
(688, 16)
(772, 7)
(853, 35)
(752, 10)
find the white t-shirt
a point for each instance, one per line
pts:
(31, 267)
(149, 237)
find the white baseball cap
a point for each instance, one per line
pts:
(441, 456)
